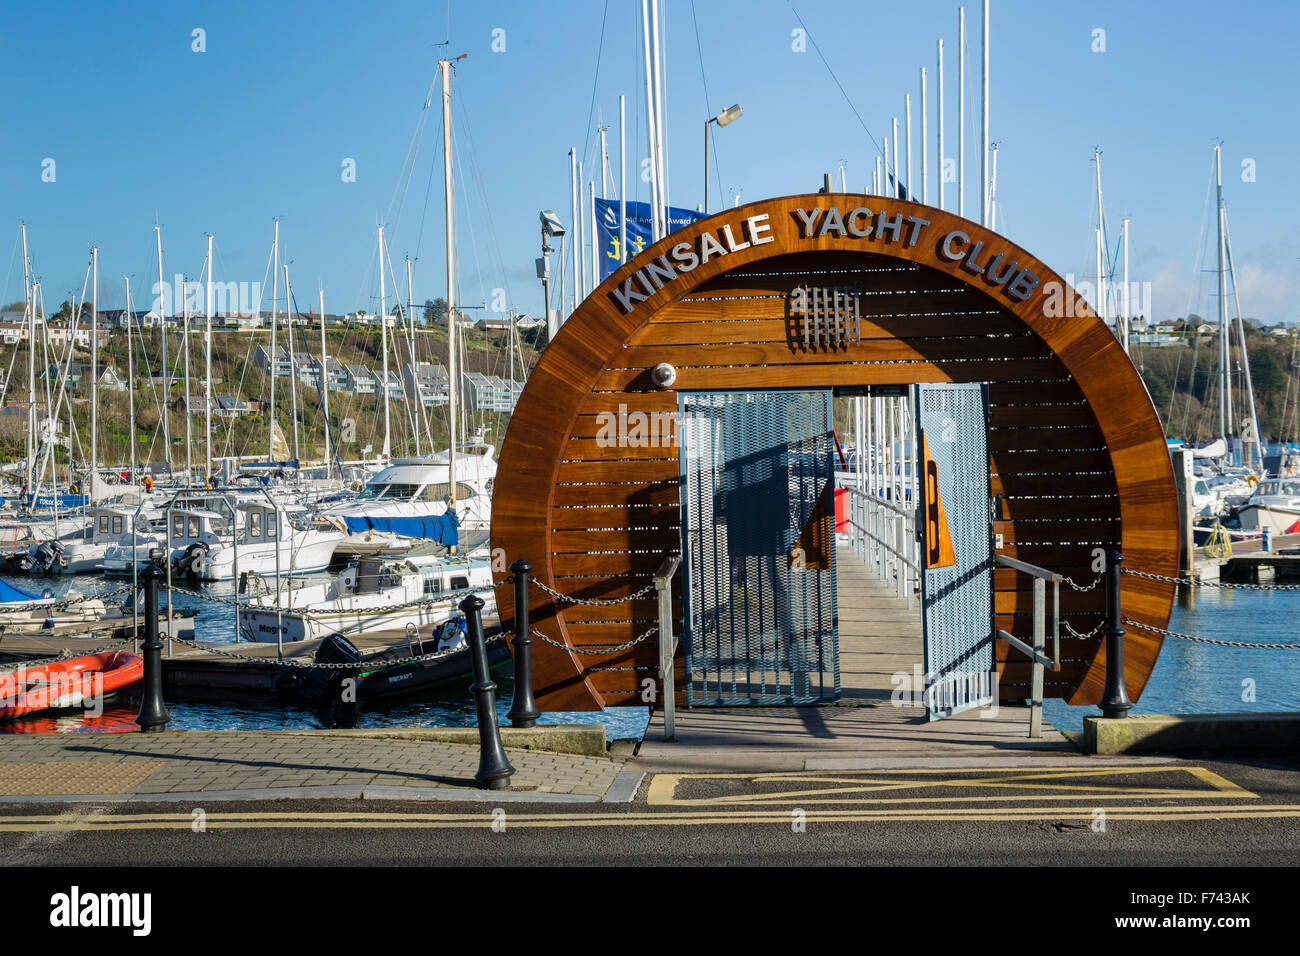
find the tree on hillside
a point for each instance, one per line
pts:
(435, 310)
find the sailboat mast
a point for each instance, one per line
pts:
(189, 418)
(275, 291)
(94, 372)
(130, 378)
(207, 372)
(1224, 377)
(293, 371)
(449, 208)
(31, 363)
(418, 409)
(383, 346)
(324, 377)
(1245, 358)
(1124, 298)
(1101, 245)
(162, 327)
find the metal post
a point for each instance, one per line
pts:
(1040, 647)
(667, 643)
(494, 770)
(1114, 699)
(153, 716)
(523, 709)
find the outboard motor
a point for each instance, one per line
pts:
(323, 688)
(190, 563)
(452, 635)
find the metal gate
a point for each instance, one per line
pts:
(759, 548)
(956, 548)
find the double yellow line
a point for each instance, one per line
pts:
(506, 819)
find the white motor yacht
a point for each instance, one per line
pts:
(371, 596)
(1274, 504)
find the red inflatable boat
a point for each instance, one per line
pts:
(67, 684)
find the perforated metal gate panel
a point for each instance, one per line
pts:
(956, 550)
(758, 548)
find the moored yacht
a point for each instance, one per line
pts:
(370, 596)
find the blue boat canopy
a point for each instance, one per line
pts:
(11, 594)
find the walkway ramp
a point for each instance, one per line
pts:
(880, 639)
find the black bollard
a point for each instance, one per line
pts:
(523, 709)
(1114, 699)
(494, 770)
(153, 716)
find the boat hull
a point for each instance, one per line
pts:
(67, 684)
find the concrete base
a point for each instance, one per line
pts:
(1173, 732)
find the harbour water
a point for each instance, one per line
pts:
(452, 706)
(1189, 677)
(1194, 678)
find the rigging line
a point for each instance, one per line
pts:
(595, 82)
(478, 181)
(412, 155)
(428, 186)
(705, 81)
(838, 84)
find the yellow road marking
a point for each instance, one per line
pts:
(663, 787)
(485, 819)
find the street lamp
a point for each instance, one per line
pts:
(551, 227)
(727, 116)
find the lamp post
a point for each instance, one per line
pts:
(729, 115)
(551, 227)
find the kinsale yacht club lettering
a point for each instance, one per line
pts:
(998, 268)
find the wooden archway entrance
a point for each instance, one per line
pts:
(1076, 449)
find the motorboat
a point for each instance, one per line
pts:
(371, 596)
(1273, 505)
(112, 528)
(265, 542)
(411, 498)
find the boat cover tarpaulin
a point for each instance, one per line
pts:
(11, 594)
(440, 528)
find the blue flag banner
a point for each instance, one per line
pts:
(638, 230)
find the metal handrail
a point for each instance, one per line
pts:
(1037, 653)
(888, 547)
(883, 502)
(663, 579)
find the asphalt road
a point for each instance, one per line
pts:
(1200, 813)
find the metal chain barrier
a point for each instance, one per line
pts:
(1195, 583)
(1091, 634)
(592, 602)
(442, 598)
(67, 603)
(63, 655)
(1084, 587)
(1208, 640)
(593, 651)
(309, 665)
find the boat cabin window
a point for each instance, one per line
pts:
(255, 524)
(103, 524)
(459, 583)
(186, 526)
(432, 584)
(117, 524)
(1201, 488)
(440, 490)
(1291, 487)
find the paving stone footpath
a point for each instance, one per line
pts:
(231, 763)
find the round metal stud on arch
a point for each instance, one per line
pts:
(1077, 454)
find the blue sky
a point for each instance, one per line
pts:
(141, 128)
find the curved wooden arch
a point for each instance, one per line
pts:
(1097, 473)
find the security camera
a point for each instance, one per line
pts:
(551, 224)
